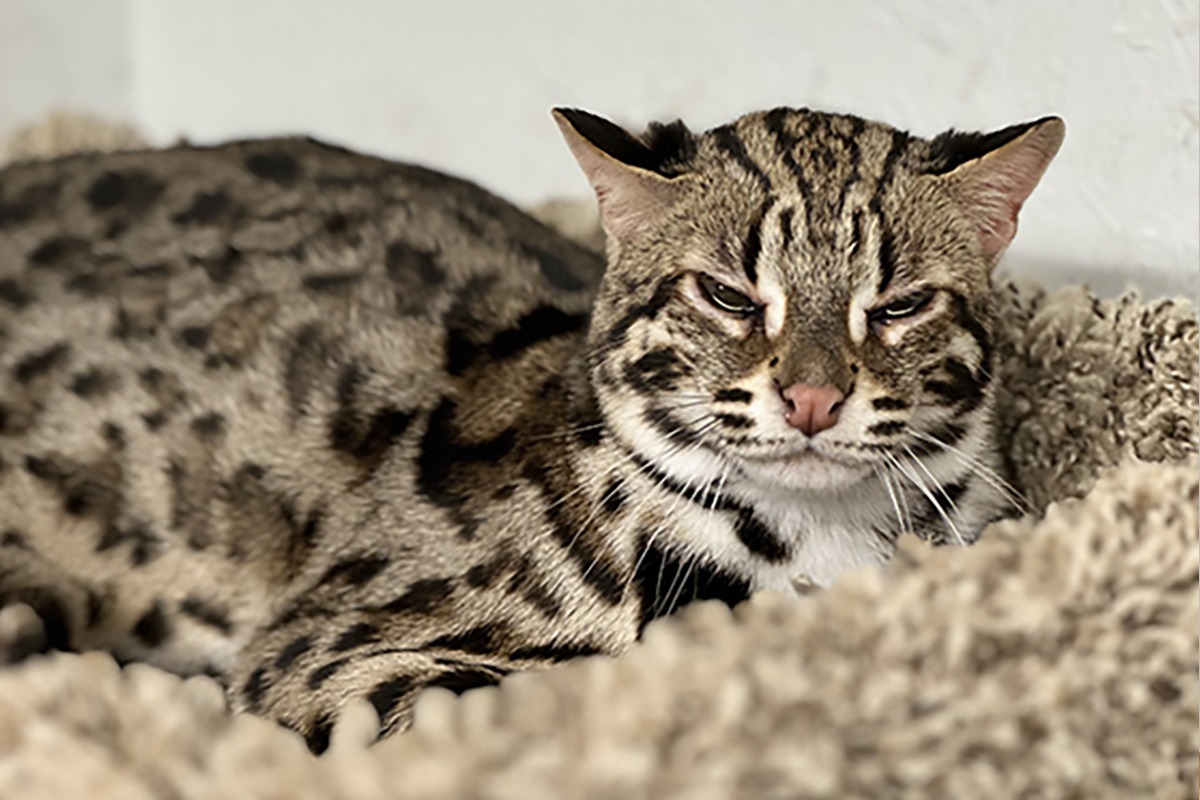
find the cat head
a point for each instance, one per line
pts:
(798, 298)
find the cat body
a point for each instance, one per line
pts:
(326, 426)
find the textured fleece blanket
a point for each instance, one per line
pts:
(1057, 658)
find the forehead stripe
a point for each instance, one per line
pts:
(728, 140)
(784, 142)
(753, 245)
(887, 256)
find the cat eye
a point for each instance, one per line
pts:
(728, 300)
(907, 306)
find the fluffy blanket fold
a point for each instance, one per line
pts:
(1057, 658)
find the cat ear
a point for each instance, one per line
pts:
(622, 170)
(995, 173)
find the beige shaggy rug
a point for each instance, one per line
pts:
(1057, 658)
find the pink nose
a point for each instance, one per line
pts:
(812, 409)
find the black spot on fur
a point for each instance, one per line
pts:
(539, 325)
(133, 191)
(114, 434)
(154, 420)
(92, 383)
(324, 672)
(96, 607)
(387, 695)
(365, 439)
(479, 640)
(53, 614)
(614, 495)
(206, 207)
(204, 612)
(318, 735)
(333, 282)
(14, 539)
(12, 294)
(256, 688)
(558, 651)
(760, 539)
(275, 167)
(146, 546)
(442, 454)
(358, 635)
(209, 426)
(59, 252)
(485, 573)
(43, 361)
(220, 269)
(463, 680)
(292, 651)
(666, 582)
(422, 597)
(153, 627)
(195, 336)
(526, 582)
(355, 571)
(306, 363)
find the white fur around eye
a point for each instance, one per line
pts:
(774, 300)
(860, 303)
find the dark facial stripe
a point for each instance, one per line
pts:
(889, 404)
(656, 371)
(900, 141)
(948, 435)
(855, 151)
(963, 390)
(728, 141)
(786, 230)
(753, 246)
(733, 396)
(964, 317)
(663, 293)
(886, 428)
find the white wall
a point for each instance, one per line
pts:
(465, 85)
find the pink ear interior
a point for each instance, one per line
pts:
(630, 198)
(997, 185)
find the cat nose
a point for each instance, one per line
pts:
(812, 409)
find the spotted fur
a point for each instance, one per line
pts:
(325, 426)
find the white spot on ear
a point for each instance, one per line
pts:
(859, 303)
(774, 298)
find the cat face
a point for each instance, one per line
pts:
(800, 300)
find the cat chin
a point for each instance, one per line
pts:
(807, 472)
